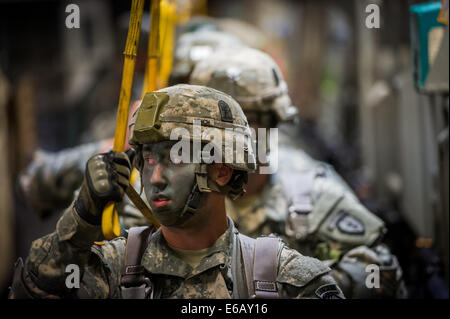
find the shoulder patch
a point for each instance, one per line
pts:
(347, 224)
(330, 291)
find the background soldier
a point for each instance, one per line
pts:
(193, 47)
(306, 200)
(195, 253)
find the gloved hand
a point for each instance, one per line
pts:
(106, 178)
(389, 270)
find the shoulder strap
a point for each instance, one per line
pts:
(134, 284)
(265, 267)
(260, 259)
(248, 250)
(298, 187)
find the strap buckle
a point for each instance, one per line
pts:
(268, 286)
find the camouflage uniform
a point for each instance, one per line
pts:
(324, 219)
(101, 264)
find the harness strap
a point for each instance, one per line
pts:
(265, 267)
(260, 258)
(248, 250)
(134, 284)
(298, 189)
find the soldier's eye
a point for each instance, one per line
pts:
(150, 159)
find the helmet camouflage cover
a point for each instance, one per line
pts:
(193, 47)
(251, 77)
(179, 106)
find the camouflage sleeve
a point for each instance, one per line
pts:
(365, 272)
(305, 277)
(48, 271)
(339, 218)
(49, 182)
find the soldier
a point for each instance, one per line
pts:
(306, 201)
(52, 178)
(196, 253)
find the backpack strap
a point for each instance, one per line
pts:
(248, 251)
(265, 267)
(134, 284)
(298, 188)
(260, 261)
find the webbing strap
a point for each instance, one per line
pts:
(248, 251)
(260, 259)
(265, 267)
(134, 284)
(298, 187)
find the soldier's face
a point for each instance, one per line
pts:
(167, 185)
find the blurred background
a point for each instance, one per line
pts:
(372, 101)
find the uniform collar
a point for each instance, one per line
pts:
(160, 259)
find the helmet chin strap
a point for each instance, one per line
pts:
(203, 184)
(200, 186)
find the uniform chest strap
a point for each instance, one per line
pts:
(134, 284)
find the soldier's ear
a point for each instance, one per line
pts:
(220, 173)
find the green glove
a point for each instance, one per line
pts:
(106, 178)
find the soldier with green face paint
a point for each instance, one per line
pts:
(305, 201)
(197, 252)
(48, 184)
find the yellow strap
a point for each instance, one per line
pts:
(167, 26)
(141, 205)
(200, 8)
(183, 13)
(110, 218)
(151, 68)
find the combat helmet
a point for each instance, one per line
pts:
(193, 47)
(251, 77)
(249, 34)
(198, 114)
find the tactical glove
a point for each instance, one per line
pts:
(106, 178)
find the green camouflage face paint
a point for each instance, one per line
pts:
(167, 184)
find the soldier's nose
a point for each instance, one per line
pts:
(157, 179)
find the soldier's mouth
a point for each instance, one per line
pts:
(160, 200)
